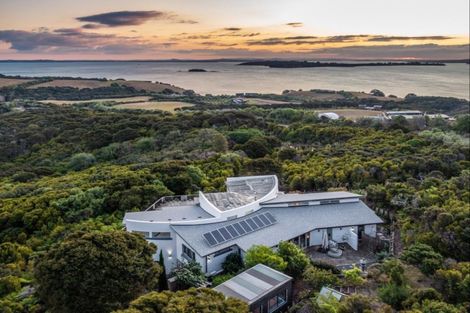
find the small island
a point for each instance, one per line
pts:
(197, 70)
(299, 64)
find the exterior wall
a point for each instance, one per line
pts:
(214, 263)
(353, 240)
(316, 237)
(264, 300)
(343, 235)
(179, 253)
(370, 230)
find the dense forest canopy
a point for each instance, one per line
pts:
(65, 169)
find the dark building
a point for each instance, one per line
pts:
(263, 288)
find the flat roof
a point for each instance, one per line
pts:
(290, 222)
(314, 196)
(169, 213)
(253, 283)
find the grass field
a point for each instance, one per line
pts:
(168, 106)
(92, 83)
(5, 82)
(107, 100)
(352, 114)
(259, 101)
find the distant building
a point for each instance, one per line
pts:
(329, 115)
(208, 227)
(443, 116)
(264, 289)
(406, 114)
(2, 98)
(238, 101)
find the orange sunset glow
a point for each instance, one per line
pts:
(207, 29)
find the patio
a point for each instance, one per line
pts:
(350, 257)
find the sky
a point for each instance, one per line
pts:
(211, 29)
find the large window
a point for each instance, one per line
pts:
(258, 309)
(277, 301)
(188, 253)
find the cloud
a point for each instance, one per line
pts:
(303, 40)
(72, 40)
(396, 38)
(233, 29)
(295, 24)
(129, 18)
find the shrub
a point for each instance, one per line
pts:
(189, 275)
(295, 257)
(9, 284)
(394, 294)
(81, 161)
(264, 255)
(317, 278)
(424, 257)
(352, 277)
(219, 279)
(325, 266)
(233, 263)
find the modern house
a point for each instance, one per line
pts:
(264, 289)
(208, 227)
(406, 114)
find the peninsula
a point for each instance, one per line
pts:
(299, 64)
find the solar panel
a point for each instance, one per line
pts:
(238, 229)
(225, 233)
(232, 231)
(257, 221)
(245, 226)
(210, 239)
(270, 217)
(252, 224)
(264, 219)
(217, 236)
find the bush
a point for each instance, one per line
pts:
(233, 263)
(352, 277)
(419, 295)
(394, 295)
(317, 278)
(81, 161)
(191, 300)
(261, 254)
(424, 257)
(189, 275)
(9, 284)
(219, 279)
(295, 257)
(325, 266)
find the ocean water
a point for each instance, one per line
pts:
(452, 80)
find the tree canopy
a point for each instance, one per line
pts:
(96, 272)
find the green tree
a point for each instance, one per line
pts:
(189, 275)
(96, 272)
(233, 263)
(394, 292)
(187, 301)
(295, 258)
(162, 280)
(261, 254)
